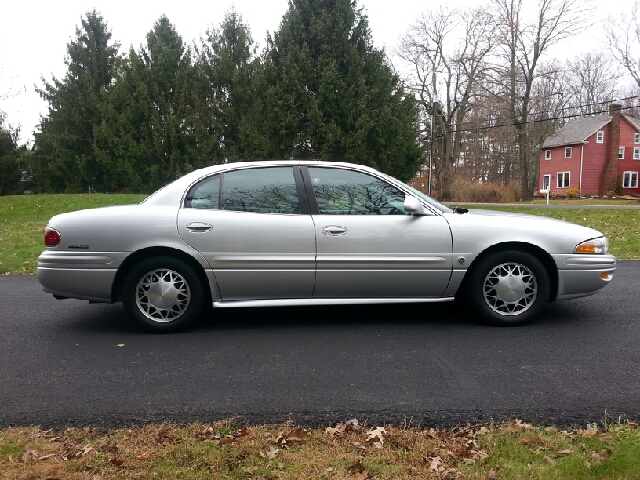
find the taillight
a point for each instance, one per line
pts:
(51, 237)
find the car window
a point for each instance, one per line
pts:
(345, 192)
(260, 190)
(204, 194)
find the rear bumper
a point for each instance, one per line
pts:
(85, 276)
(582, 275)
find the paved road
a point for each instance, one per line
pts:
(60, 363)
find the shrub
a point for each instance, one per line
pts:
(573, 192)
(470, 191)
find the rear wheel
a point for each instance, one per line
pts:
(508, 288)
(163, 294)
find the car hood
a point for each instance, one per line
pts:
(486, 227)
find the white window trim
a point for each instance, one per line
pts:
(563, 177)
(569, 151)
(636, 153)
(620, 153)
(547, 154)
(630, 182)
(600, 136)
(636, 138)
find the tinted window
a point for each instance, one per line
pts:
(260, 190)
(344, 192)
(205, 194)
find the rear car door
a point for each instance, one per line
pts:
(254, 229)
(367, 245)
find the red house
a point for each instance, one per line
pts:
(591, 154)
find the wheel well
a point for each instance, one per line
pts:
(533, 250)
(140, 255)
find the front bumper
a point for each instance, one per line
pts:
(580, 275)
(85, 276)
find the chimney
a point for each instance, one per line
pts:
(610, 173)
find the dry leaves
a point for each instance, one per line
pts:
(294, 436)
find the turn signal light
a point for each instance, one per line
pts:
(51, 237)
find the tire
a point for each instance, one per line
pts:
(163, 294)
(508, 289)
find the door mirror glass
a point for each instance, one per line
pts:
(413, 206)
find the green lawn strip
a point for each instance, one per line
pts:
(286, 452)
(622, 227)
(23, 218)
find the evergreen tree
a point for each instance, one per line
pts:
(149, 116)
(325, 92)
(226, 62)
(67, 135)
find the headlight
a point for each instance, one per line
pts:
(595, 245)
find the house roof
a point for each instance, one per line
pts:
(577, 131)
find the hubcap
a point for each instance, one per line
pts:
(510, 289)
(163, 295)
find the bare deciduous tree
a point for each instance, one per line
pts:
(522, 45)
(589, 81)
(624, 41)
(445, 77)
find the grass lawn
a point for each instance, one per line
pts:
(515, 451)
(23, 218)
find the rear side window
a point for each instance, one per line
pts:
(260, 190)
(205, 194)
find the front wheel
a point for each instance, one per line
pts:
(163, 294)
(508, 288)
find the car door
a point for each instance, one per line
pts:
(367, 245)
(253, 229)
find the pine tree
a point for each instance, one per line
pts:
(149, 116)
(326, 92)
(67, 132)
(227, 61)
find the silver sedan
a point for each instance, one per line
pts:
(313, 233)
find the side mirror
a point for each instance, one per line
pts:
(413, 206)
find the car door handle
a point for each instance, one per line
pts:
(198, 227)
(334, 230)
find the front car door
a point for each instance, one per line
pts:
(367, 245)
(255, 231)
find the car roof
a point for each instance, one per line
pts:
(172, 193)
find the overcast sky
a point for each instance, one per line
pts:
(34, 34)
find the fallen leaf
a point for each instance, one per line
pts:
(356, 467)
(270, 454)
(362, 475)
(227, 439)
(607, 437)
(493, 473)
(550, 460)
(46, 457)
(358, 445)
(296, 435)
(435, 463)
(144, 456)
(117, 462)
(587, 433)
(565, 452)
(120, 345)
(29, 455)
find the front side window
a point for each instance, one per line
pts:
(636, 153)
(568, 152)
(547, 154)
(620, 153)
(546, 181)
(630, 180)
(563, 179)
(600, 137)
(345, 192)
(636, 138)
